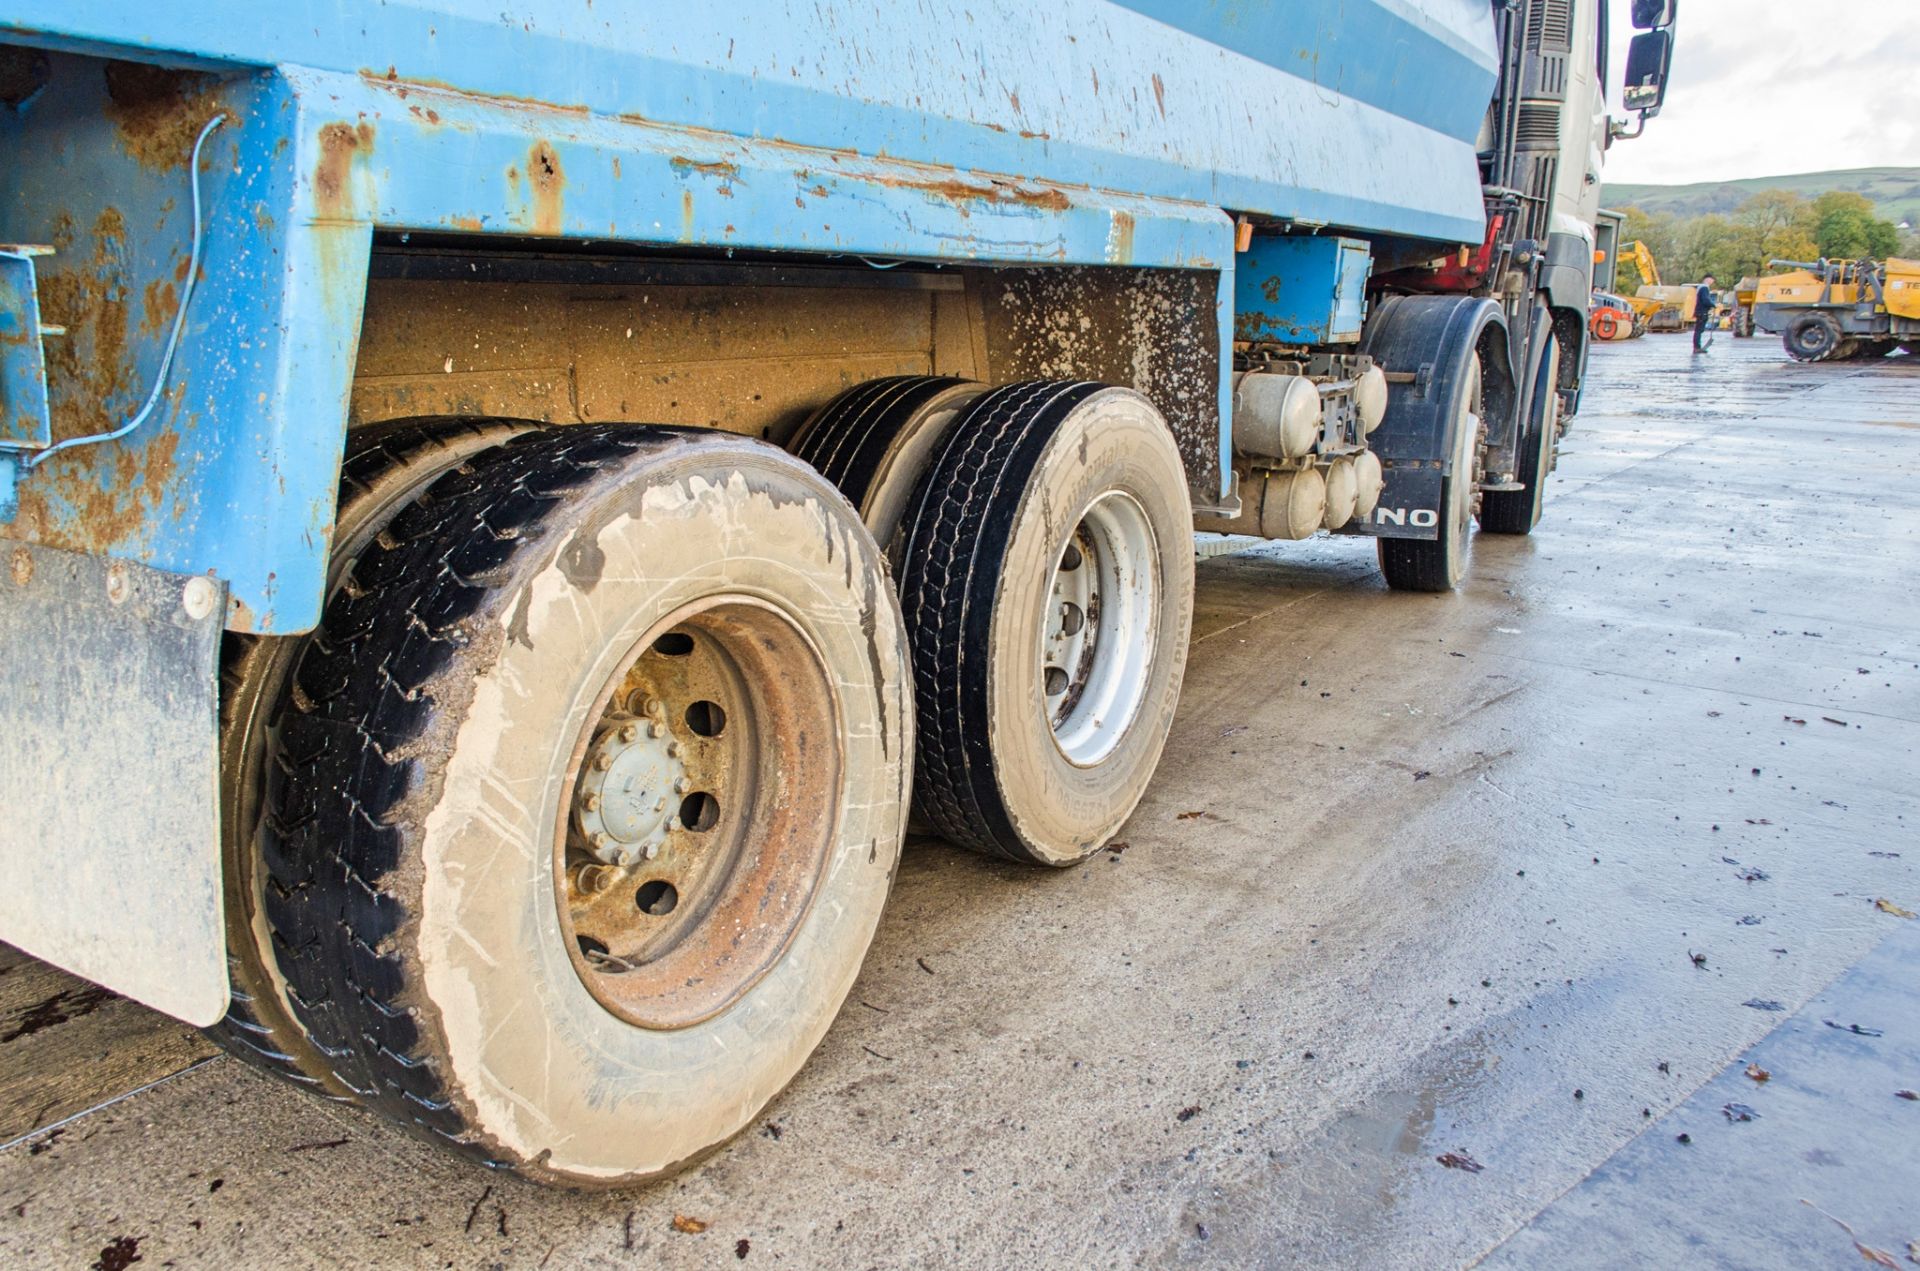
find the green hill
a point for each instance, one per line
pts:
(1895, 192)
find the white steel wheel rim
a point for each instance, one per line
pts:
(1097, 633)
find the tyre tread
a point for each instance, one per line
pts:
(348, 753)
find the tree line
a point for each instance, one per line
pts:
(1772, 224)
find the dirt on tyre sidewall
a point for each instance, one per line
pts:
(428, 748)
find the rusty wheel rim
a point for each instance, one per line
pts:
(698, 813)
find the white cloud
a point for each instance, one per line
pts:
(1767, 87)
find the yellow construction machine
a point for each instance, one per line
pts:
(1826, 310)
(1660, 307)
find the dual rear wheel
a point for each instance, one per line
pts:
(562, 838)
(1043, 554)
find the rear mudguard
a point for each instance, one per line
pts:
(1434, 340)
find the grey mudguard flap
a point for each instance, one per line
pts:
(109, 775)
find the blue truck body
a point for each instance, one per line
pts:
(1078, 134)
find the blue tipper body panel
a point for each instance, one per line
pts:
(1075, 133)
(1308, 290)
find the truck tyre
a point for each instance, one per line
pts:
(1518, 511)
(1812, 337)
(875, 440)
(1047, 585)
(586, 796)
(384, 463)
(1439, 564)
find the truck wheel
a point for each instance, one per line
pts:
(1812, 337)
(875, 440)
(586, 795)
(1518, 511)
(1439, 564)
(384, 463)
(1047, 586)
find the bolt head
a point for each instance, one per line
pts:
(681, 785)
(198, 597)
(673, 750)
(656, 729)
(591, 802)
(630, 732)
(603, 761)
(653, 850)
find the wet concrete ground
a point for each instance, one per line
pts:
(1509, 875)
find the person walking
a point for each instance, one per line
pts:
(1702, 313)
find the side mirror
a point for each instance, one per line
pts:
(1648, 58)
(1649, 15)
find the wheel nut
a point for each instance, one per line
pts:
(593, 879)
(598, 839)
(656, 729)
(681, 785)
(673, 750)
(630, 732)
(591, 803)
(653, 850)
(603, 761)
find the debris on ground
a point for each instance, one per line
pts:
(1764, 1004)
(1759, 1074)
(1886, 906)
(688, 1226)
(1879, 1257)
(1859, 1030)
(1737, 1112)
(1460, 1161)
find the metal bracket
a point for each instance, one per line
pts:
(24, 421)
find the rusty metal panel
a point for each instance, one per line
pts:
(108, 772)
(234, 472)
(1359, 113)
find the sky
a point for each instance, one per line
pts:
(1769, 87)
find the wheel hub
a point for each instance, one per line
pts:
(626, 801)
(1071, 640)
(694, 831)
(1097, 633)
